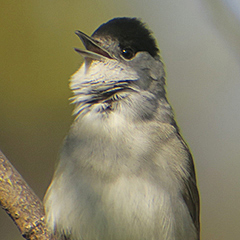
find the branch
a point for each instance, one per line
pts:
(21, 203)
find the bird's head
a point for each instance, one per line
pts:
(121, 59)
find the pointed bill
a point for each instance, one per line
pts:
(93, 49)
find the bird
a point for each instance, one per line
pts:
(124, 171)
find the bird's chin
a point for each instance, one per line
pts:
(99, 76)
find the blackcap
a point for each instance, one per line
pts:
(125, 172)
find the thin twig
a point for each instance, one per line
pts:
(21, 203)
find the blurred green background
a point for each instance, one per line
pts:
(37, 59)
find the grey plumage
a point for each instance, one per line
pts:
(124, 171)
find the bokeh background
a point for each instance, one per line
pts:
(200, 45)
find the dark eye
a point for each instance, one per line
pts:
(127, 53)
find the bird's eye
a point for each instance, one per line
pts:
(127, 53)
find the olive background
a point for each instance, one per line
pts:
(199, 45)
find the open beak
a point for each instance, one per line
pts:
(93, 49)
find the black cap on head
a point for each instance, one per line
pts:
(130, 32)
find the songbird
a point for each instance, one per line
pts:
(125, 172)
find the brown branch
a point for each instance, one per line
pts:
(21, 203)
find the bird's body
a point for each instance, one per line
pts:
(125, 172)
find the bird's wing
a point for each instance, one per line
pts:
(190, 193)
